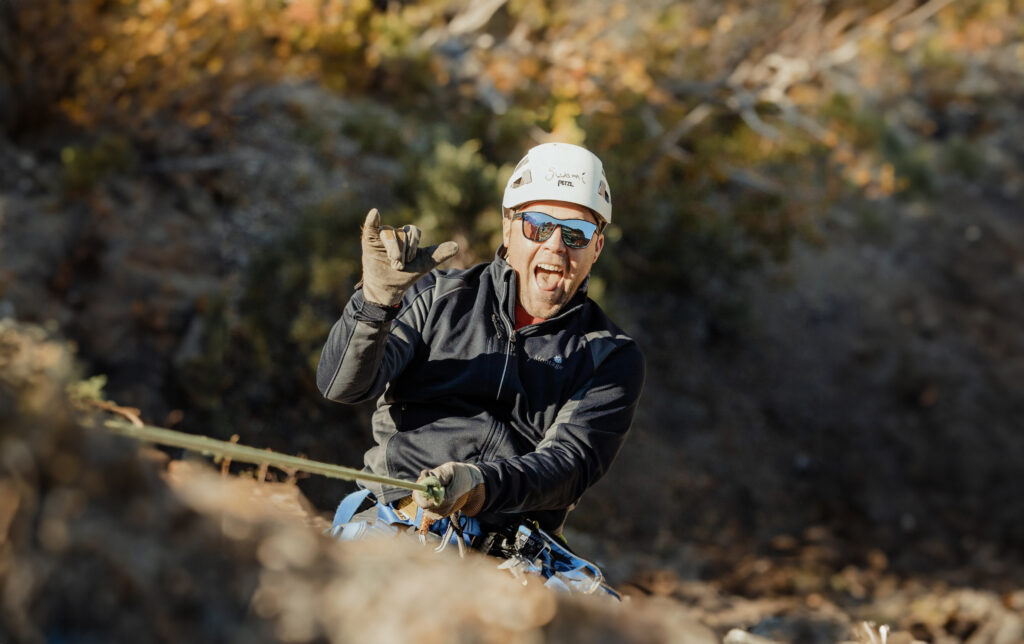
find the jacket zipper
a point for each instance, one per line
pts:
(510, 347)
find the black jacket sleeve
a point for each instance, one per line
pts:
(578, 448)
(370, 344)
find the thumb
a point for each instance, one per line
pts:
(441, 253)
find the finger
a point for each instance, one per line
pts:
(393, 245)
(412, 241)
(371, 227)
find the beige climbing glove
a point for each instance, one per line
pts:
(463, 490)
(393, 261)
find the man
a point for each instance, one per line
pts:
(502, 380)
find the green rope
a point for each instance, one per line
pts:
(243, 453)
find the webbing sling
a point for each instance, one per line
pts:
(385, 513)
(349, 506)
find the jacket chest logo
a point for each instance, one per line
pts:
(556, 362)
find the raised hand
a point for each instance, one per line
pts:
(393, 261)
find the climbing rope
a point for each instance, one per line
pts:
(243, 453)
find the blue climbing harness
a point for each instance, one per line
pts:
(389, 522)
(526, 549)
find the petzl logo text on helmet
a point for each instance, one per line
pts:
(566, 178)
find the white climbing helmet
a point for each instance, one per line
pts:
(559, 172)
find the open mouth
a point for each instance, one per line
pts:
(548, 276)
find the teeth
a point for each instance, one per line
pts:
(550, 267)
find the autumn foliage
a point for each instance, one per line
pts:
(726, 127)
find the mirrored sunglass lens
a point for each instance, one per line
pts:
(538, 226)
(574, 237)
(536, 229)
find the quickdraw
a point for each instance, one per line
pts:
(531, 550)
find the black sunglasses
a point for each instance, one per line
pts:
(538, 226)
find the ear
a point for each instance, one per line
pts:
(506, 230)
(599, 245)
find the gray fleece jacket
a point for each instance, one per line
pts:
(542, 410)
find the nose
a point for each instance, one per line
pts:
(554, 243)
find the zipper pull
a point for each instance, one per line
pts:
(497, 327)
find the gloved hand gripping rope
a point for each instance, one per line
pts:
(462, 486)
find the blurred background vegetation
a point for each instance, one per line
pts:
(184, 182)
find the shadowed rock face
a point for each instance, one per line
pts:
(874, 392)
